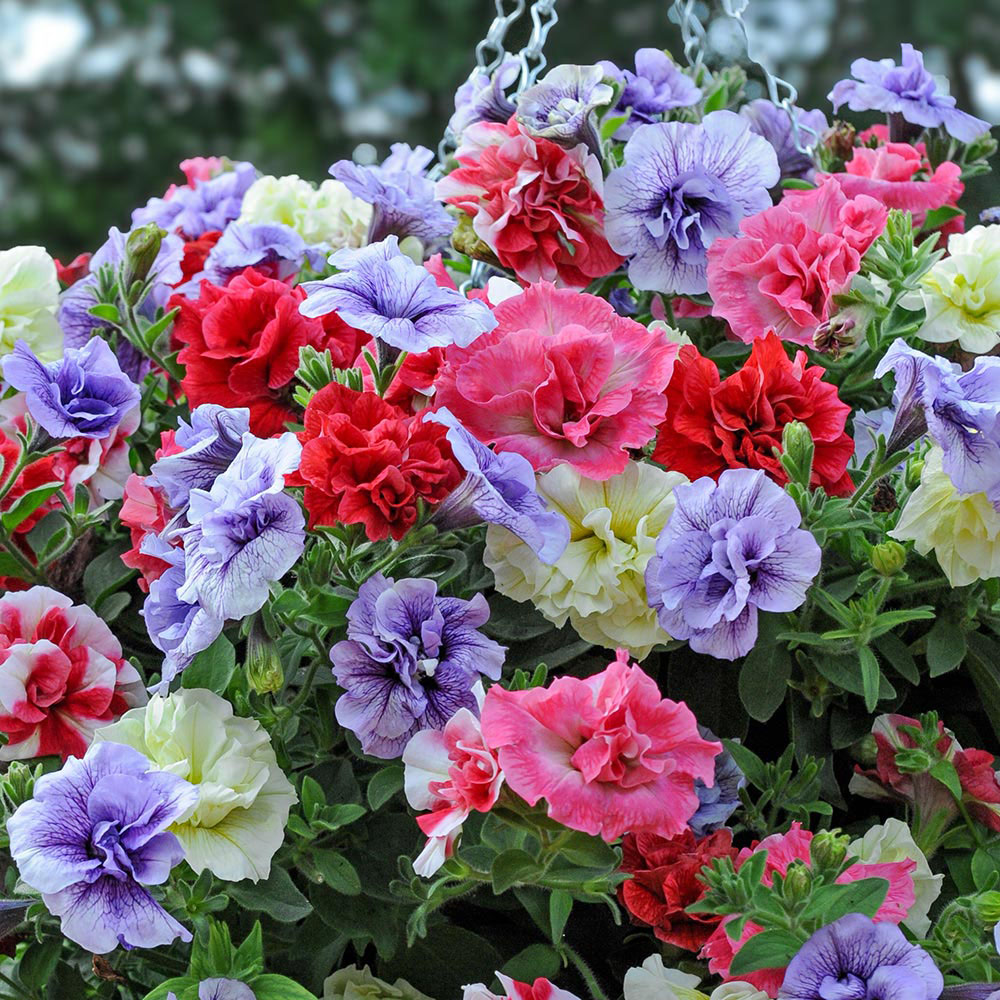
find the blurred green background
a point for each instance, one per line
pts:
(100, 99)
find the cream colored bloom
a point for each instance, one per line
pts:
(892, 841)
(359, 984)
(961, 292)
(29, 298)
(962, 530)
(598, 583)
(244, 797)
(653, 981)
(328, 214)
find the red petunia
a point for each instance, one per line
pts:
(665, 882)
(196, 253)
(366, 462)
(242, 346)
(715, 424)
(980, 786)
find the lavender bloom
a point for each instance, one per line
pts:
(681, 187)
(381, 291)
(729, 550)
(907, 90)
(94, 835)
(499, 488)
(74, 304)
(210, 442)
(562, 106)
(960, 410)
(774, 124)
(410, 661)
(273, 248)
(718, 803)
(856, 959)
(245, 532)
(179, 629)
(221, 989)
(482, 97)
(84, 394)
(401, 196)
(658, 85)
(194, 211)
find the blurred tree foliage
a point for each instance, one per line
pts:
(294, 85)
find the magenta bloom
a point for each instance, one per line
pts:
(563, 378)
(93, 837)
(607, 753)
(788, 262)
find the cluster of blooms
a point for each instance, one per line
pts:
(609, 388)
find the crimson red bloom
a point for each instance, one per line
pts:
(980, 787)
(71, 273)
(665, 882)
(242, 346)
(366, 462)
(196, 253)
(538, 206)
(715, 424)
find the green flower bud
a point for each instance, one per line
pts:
(797, 451)
(264, 672)
(141, 249)
(465, 240)
(888, 558)
(914, 761)
(798, 883)
(987, 906)
(828, 849)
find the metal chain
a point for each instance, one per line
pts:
(780, 92)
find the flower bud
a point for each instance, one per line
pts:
(913, 761)
(987, 906)
(263, 664)
(797, 451)
(141, 250)
(798, 883)
(465, 240)
(888, 558)
(828, 849)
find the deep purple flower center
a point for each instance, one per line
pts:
(696, 209)
(847, 987)
(106, 847)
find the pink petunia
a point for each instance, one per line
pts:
(607, 753)
(782, 850)
(782, 272)
(541, 989)
(538, 206)
(452, 773)
(62, 676)
(563, 378)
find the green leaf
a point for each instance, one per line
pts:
(560, 907)
(384, 785)
(153, 331)
(946, 647)
(897, 654)
(871, 677)
(106, 311)
(511, 867)
(846, 673)
(26, 505)
(939, 216)
(983, 665)
(183, 987)
(334, 817)
(106, 573)
(985, 865)
(311, 796)
(39, 962)
(831, 902)
(718, 99)
(795, 184)
(338, 873)
(765, 673)
(274, 987)
(767, 950)
(212, 668)
(749, 763)
(9, 566)
(276, 896)
(944, 771)
(535, 960)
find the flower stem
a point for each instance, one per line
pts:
(585, 974)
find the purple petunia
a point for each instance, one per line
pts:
(245, 531)
(482, 97)
(221, 989)
(275, 249)
(960, 410)
(658, 85)
(855, 958)
(718, 802)
(401, 195)
(93, 837)
(411, 660)
(79, 325)
(562, 106)
(775, 124)
(194, 211)
(210, 441)
(729, 550)
(499, 488)
(907, 90)
(381, 291)
(683, 186)
(84, 394)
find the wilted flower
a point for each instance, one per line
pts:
(29, 297)
(93, 837)
(907, 90)
(682, 186)
(237, 819)
(410, 661)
